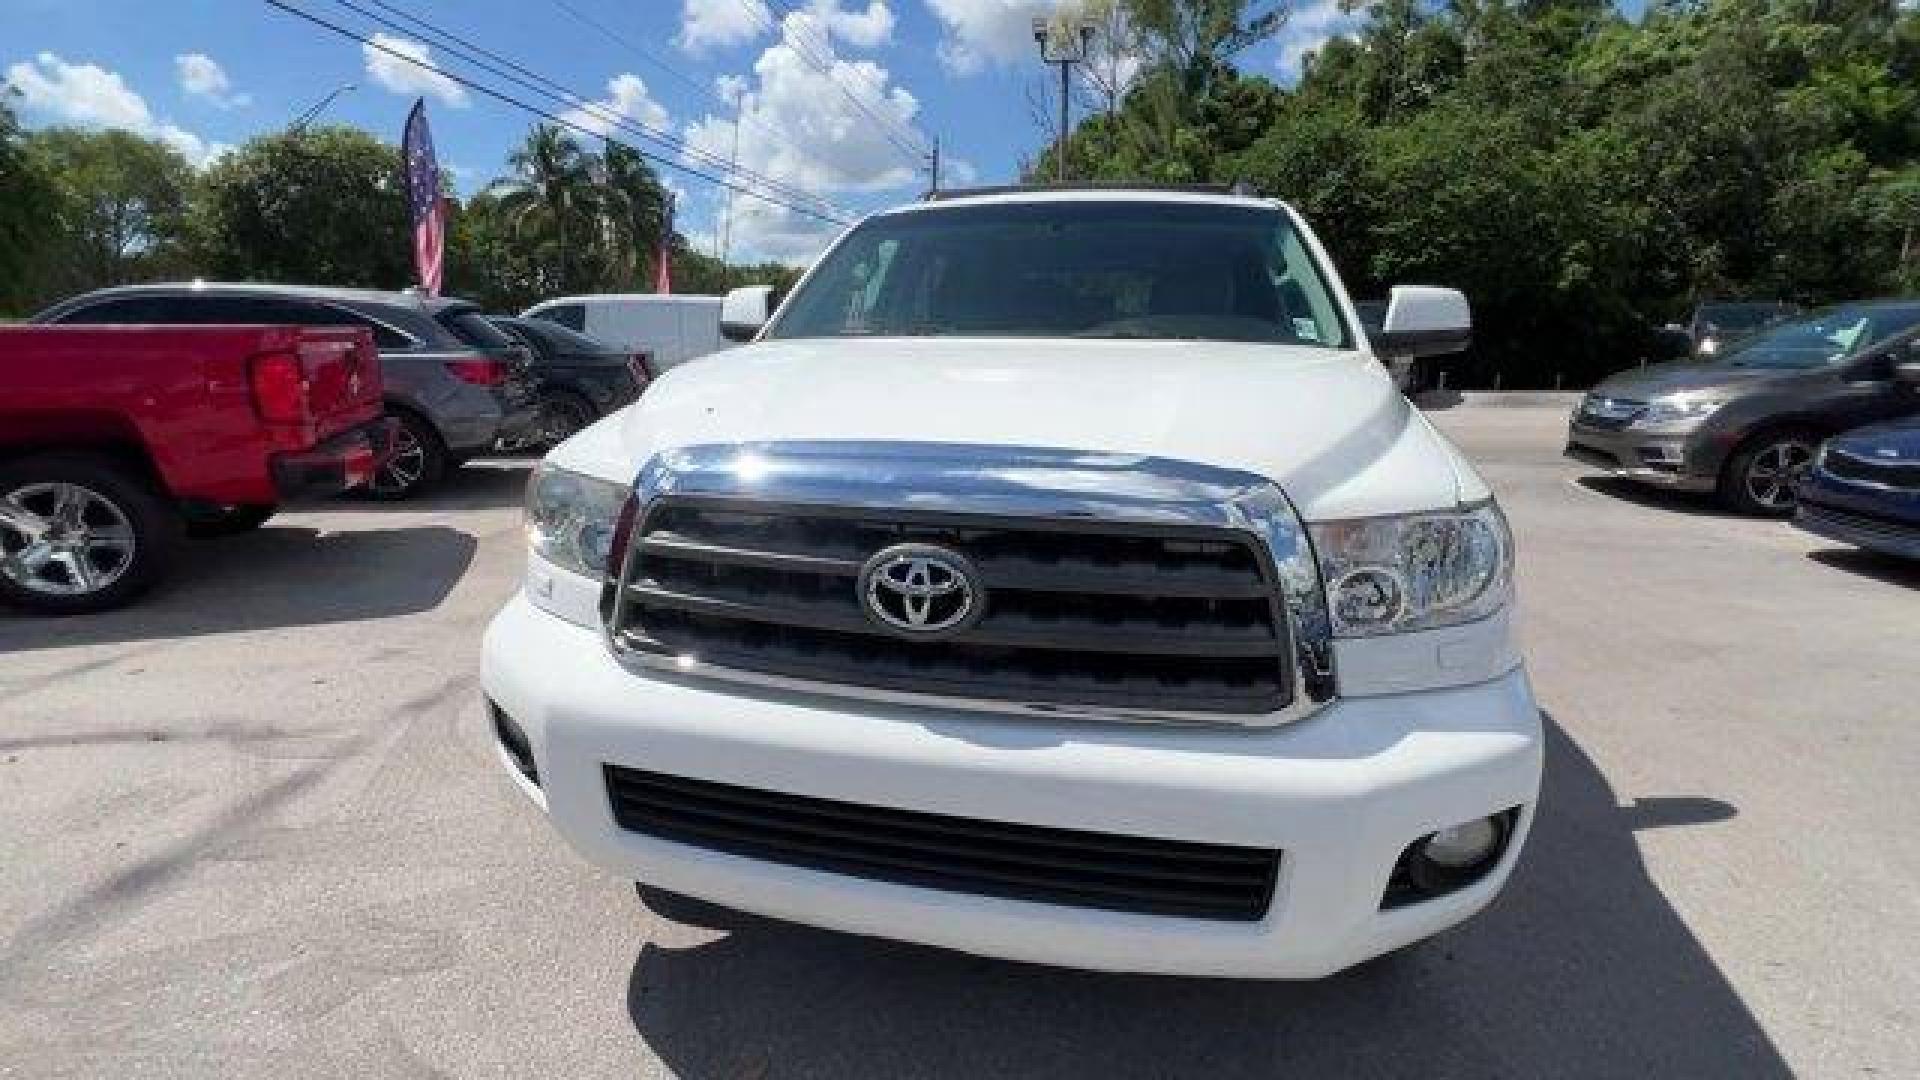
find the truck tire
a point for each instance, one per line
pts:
(1759, 477)
(229, 521)
(419, 460)
(80, 533)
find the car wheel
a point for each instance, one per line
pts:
(229, 520)
(418, 460)
(560, 416)
(80, 533)
(1760, 477)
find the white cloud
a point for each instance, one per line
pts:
(802, 130)
(87, 95)
(202, 77)
(864, 29)
(706, 23)
(983, 32)
(405, 78)
(1310, 27)
(627, 99)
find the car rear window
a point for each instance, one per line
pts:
(571, 316)
(561, 339)
(473, 329)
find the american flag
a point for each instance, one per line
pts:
(423, 194)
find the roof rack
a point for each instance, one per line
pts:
(1241, 188)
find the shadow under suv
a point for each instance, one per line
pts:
(453, 381)
(1745, 425)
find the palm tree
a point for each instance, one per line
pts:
(553, 187)
(637, 210)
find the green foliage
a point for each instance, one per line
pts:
(118, 212)
(327, 205)
(27, 200)
(1582, 177)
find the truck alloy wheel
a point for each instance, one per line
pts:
(62, 539)
(80, 532)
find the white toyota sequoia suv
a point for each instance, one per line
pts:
(1058, 576)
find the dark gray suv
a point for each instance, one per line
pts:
(1746, 423)
(453, 381)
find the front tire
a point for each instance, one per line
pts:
(80, 533)
(418, 461)
(1760, 477)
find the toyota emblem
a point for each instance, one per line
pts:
(920, 590)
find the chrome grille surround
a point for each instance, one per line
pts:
(1032, 486)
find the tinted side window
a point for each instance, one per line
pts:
(125, 311)
(471, 327)
(571, 316)
(302, 314)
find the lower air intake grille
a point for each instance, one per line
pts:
(1145, 875)
(1900, 475)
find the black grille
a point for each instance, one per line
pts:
(1146, 875)
(1904, 475)
(1075, 612)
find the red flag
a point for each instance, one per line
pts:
(423, 196)
(663, 259)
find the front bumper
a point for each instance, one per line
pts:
(1877, 519)
(1341, 794)
(340, 463)
(1655, 457)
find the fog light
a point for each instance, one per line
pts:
(1462, 845)
(1448, 860)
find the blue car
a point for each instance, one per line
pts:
(1864, 489)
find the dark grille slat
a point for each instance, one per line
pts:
(1075, 611)
(1144, 852)
(940, 851)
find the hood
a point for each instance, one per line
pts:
(1654, 380)
(1328, 426)
(1898, 440)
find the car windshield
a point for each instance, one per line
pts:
(1739, 318)
(1824, 337)
(1117, 269)
(560, 338)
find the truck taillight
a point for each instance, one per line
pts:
(279, 383)
(483, 371)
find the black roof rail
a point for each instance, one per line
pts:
(942, 194)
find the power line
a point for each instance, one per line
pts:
(536, 110)
(466, 50)
(890, 128)
(766, 129)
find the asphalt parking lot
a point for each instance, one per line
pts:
(254, 827)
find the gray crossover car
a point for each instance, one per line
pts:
(1746, 423)
(453, 381)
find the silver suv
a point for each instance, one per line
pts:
(453, 381)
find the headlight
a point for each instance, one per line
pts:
(571, 518)
(1680, 407)
(1388, 575)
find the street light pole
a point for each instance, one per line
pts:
(319, 107)
(1070, 45)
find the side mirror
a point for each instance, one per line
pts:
(1425, 321)
(744, 312)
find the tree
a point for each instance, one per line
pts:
(121, 208)
(637, 210)
(555, 202)
(27, 199)
(324, 206)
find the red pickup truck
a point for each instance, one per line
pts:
(115, 441)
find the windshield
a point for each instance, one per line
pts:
(1736, 318)
(1824, 337)
(1071, 269)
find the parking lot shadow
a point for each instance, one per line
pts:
(1680, 502)
(1582, 968)
(1888, 568)
(274, 577)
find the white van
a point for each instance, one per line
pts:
(672, 329)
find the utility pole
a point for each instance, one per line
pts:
(733, 165)
(936, 164)
(1065, 45)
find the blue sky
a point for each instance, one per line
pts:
(208, 74)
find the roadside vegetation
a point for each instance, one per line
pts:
(1582, 177)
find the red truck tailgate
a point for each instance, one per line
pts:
(323, 381)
